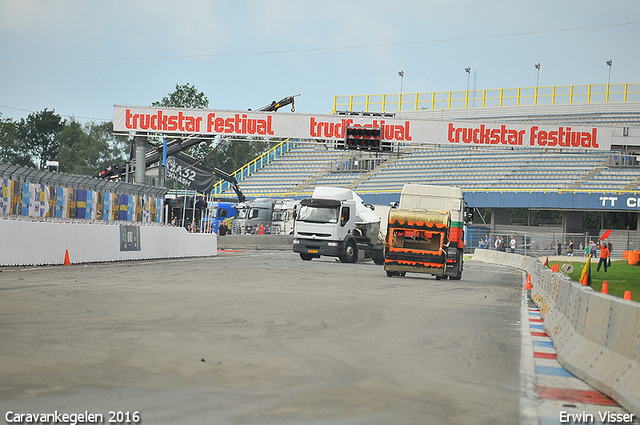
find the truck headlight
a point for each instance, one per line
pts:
(296, 242)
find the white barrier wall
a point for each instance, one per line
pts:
(597, 336)
(42, 242)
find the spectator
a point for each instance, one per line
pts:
(480, 243)
(570, 248)
(512, 245)
(593, 248)
(559, 248)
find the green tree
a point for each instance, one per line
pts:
(86, 149)
(227, 155)
(12, 149)
(38, 133)
(184, 96)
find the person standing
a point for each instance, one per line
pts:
(512, 245)
(570, 248)
(604, 257)
(559, 248)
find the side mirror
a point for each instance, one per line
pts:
(468, 216)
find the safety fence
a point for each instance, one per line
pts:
(596, 336)
(487, 98)
(30, 194)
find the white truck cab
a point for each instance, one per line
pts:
(335, 222)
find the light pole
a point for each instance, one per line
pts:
(468, 70)
(609, 63)
(535, 98)
(401, 74)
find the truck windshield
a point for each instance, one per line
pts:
(277, 216)
(318, 215)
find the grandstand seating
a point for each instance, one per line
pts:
(470, 168)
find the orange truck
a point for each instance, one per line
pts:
(425, 234)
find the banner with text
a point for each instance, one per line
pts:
(332, 127)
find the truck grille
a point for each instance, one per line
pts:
(317, 235)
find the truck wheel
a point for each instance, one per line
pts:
(390, 273)
(306, 257)
(350, 253)
(378, 261)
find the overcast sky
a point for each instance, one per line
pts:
(81, 57)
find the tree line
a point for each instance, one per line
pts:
(90, 147)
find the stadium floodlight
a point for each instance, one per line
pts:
(468, 70)
(538, 77)
(609, 62)
(401, 74)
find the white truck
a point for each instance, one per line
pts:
(282, 218)
(253, 214)
(335, 222)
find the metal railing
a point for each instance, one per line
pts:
(246, 170)
(488, 98)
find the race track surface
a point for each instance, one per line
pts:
(260, 337)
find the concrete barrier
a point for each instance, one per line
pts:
(597, 336)
(45, 242)
(266, 242)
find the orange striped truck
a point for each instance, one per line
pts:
(425, 234)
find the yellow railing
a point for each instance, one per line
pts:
(488, 98)
(246, 170)
(398, 191)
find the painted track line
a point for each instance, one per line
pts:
(549, 392)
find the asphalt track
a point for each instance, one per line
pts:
(261, 337)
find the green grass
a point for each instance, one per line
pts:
(620, 277)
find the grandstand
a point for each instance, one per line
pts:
(310, 164)
(567, 180)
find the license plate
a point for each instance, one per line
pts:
(312, 251)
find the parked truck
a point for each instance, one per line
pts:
(335, 222)
(426, 233)
(282, 217)
(218, 212)
(256, 212)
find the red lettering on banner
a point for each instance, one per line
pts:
(332, 129)
(238, 124)
(564, 137)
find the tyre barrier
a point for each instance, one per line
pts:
(596, 336)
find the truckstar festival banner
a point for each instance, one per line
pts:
(332, 127)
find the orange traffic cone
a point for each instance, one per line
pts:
(67, 262)
(605, 287)
(528, 285)
(627, 295)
